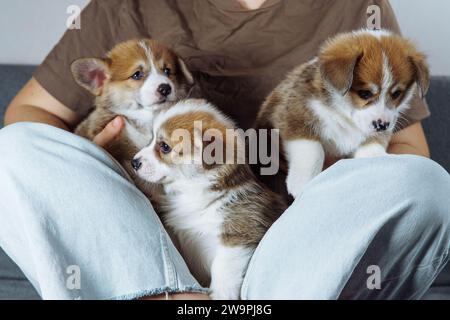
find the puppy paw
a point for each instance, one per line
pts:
(228, 270)
(226, 286)
(295, 185)
(305, 158)
(370, 151)
(225, 292)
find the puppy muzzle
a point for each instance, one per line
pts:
(380, 125)
(136, 163)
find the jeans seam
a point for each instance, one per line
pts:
(439, 260)
(159, 291)
(445, 259)
(170, 273)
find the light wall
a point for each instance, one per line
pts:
(29, 28)
(427, 22)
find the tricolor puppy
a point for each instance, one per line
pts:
(217, 210)
(137, 80)
(344, 103)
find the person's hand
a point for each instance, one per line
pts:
(110, 132)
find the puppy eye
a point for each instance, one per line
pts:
(365, 94)
(167, 72)
(397, 94)
(165, 148)
(138, 75)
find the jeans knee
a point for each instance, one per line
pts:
(426, 186)
(14, 139)
(26, 140)
(12, 130)
(26, 145)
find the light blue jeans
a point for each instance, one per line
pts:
(78, 228)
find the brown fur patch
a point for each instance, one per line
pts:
(407, 63)
(252, 210)
(187, 122)
(288, 100)
(128, 57)
(249, 217)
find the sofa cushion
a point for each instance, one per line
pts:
(13, 284)
(436, 127)
(14, 77)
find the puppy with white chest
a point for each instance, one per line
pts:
(137, 80)
(344, 103)
(217, 209)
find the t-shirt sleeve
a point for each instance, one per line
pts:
(102, 25)
(419, 108)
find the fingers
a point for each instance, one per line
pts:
(110, 132)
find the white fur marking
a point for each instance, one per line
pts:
(388, 78)
(228, 270)
(339, 125)
(305, 158)
(147, 51)
(370, 151)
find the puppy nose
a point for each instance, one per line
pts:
(164, 89)
(136, 164)
(381, 125)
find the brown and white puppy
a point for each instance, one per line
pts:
(137, 80)
(214, 205)
(344, 103)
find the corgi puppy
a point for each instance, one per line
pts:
(137, 80)
(344, 103)
(217, 210)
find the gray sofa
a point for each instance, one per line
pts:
(13, 284)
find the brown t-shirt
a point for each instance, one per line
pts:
(237, 56)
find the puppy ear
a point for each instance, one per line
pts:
(337, 62)
(185, 71)
(91, 74)
(422, 72)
